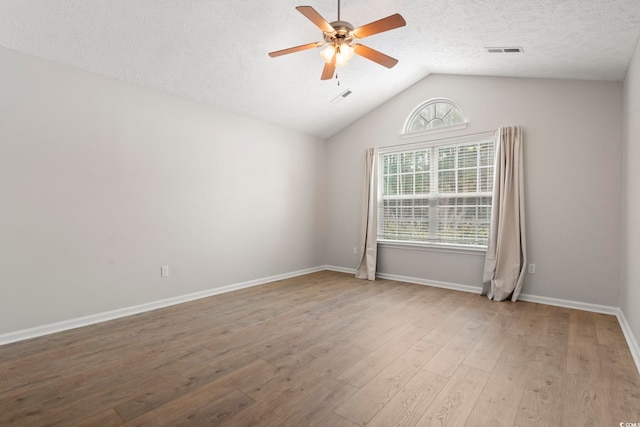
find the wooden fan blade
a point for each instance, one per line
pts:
(374, 55)
(379, 26)
(295, 49)
(316, 18)
(329, 69)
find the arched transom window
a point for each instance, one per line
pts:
(437, 113)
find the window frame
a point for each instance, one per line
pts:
(430, 144)
(407, 133)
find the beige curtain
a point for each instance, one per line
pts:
(368, 235)
(506, 258)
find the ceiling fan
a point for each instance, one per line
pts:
(340, 36)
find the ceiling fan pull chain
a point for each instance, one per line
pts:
(337, 79)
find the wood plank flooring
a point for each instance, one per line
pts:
(326, 349)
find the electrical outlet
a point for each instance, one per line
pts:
(164, 271)
(355, 250)
(532, 269)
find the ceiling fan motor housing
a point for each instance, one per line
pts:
(342, 30)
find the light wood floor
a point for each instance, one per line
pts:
(328, 350)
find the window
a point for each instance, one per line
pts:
(437, 194)
(433, 114)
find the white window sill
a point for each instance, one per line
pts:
(432, 247)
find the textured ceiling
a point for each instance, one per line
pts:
(215, 51)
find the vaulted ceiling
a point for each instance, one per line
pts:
(215, 51)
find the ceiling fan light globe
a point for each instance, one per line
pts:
(341, 61)
(346, 51)
(327, 54)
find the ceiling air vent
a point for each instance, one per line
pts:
(504, 49)
(341, 97)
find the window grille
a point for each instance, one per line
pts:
(440, 194)
(434, 114)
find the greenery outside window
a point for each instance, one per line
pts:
(438, 194)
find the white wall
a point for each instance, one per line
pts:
(101, 183)
(630, 295)
(573, 138)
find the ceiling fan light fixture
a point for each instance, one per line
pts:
(328, 53)
(343, 53)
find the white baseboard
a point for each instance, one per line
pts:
(409, 279)
(128, 311)
(477, 289)
(631, 339)
(585, 306)
(340, 269)
(434, 283)
(414, 280)
(523, 297)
